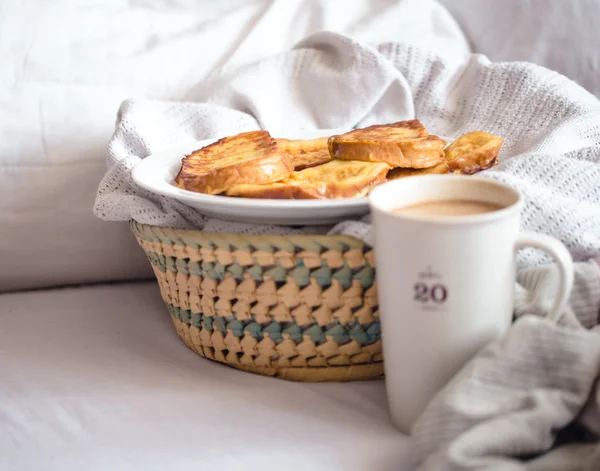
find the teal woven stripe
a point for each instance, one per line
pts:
(157, 261)
(341, 334)
(300, 273)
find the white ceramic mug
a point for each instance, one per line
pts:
(446, 284)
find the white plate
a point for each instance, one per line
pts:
(156, 172)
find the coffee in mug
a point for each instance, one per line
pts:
(447, 208)
(445, 258)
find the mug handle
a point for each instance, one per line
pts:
(563, 259)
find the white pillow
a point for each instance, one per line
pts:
(67, 66)
(562, 35)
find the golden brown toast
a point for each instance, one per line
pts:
(405, 144)
(473, 152)
(439, 169)
(335, 179)
(470, 153)
(305, 153)
(250, 157)
(399, 130)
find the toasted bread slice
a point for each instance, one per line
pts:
(284, 190)
(305, 153)
(411, 172)
(405, 144)
(250, 157)
(335, 179)
(473, 152)
(470, 153)
(394, 131)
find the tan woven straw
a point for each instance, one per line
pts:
(297, 307)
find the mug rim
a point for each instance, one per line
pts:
(377, 197)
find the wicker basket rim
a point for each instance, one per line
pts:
(139, 229)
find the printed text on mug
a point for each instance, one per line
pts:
(429, 291)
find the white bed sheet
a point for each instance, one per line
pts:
(95, 378)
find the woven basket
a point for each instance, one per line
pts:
(297, 307)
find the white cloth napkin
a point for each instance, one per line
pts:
(550, 125)
(529, 401)
(508, 404)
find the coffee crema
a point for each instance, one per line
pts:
(447, 208)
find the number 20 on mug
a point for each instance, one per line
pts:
(425, 293)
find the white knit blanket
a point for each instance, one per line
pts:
(508, 405)
(551, 127)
